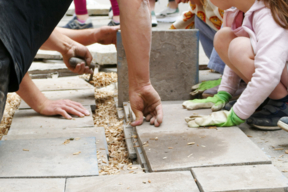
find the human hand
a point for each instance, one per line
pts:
(217, 102)
(219, 119)
(146, 102)
(63, 107)
(107, 35)
(77, 50)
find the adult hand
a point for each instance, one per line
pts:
(75, 49)
(219, 119)
(217, 102)
(63, 107)
(146, 102)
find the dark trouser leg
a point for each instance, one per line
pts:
(5, 62)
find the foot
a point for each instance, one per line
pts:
(113, 23)
(267, 118)
(106, 35)
(154, 19)
(168, 15)
(75, 24)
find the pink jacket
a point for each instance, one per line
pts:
(270, 45)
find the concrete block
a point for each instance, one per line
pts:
(84, 96)
(32, 185)
(128, 133)
(108, 68)
(103, 54)
(27, 134)
(257, 178)
(43, 54)
(47, 158)
(174, 150)
(150, 182)
(120, 113)
(63, 83)
(93, 7)
(40, 70)
(126, 107)
(173, 64)
(29, 119)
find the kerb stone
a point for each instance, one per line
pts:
(173, 64)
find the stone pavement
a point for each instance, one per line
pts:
(222, 159)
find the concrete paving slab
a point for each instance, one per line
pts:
(63, 83)
(150, 182)
(257, 178)
(76, 133)
(47, 158)
(173, 119)
(43, 54)
(273, 143)
(84, 96)
(179, 60)
(32, 185)
(172, 150)
(43, 70)
(206, 75)
(103, 54)
(30, 119)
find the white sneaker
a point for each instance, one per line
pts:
(168, 15)
(154, 19)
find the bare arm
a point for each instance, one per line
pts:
(68, 48)
(136, 36)
(37, 101)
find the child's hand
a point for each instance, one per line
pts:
(219, 119)
(217, 102)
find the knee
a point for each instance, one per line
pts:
(220, 40)
(240, 50)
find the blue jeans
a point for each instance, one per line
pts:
(206, 36)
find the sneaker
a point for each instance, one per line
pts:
(113, 23)
(267, 118)
(75, 24)
(168, 15)
(154, 19)
(283, 123)
(110, 15)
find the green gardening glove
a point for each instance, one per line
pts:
(217, 102)
(219, 119)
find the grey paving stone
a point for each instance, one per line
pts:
(206, 75)
(43, 54)
(159, 182)
(43, 70)
(27, 134)
(63, 83)
(84, 96)
(32, 185)
(257, 178)
(48, 158)
(173, 64)
(168, 150)
(29, 119)
(173, 118)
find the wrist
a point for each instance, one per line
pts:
(223, 95)
(41, 105)
(235, 119)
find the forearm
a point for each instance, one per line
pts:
(58, 42)
(85, 36)
(136, 40)
(31, 94)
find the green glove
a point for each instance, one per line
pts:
(219, 119)
(201, 87)
(217, 102)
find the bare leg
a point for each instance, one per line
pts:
(152, 5)
(103, 35)
(246, 68)
(173, 5)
